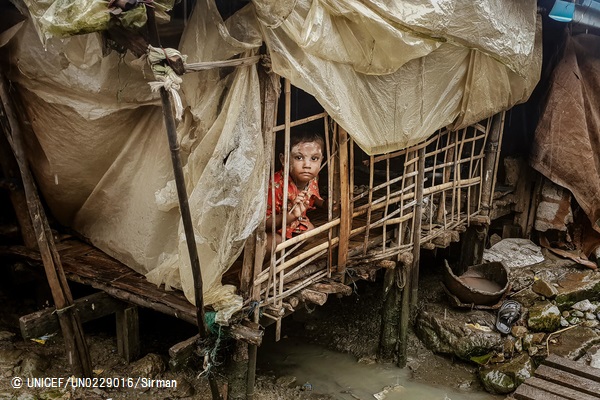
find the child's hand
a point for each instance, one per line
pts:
(300, 205)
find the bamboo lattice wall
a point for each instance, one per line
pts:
(377, 199)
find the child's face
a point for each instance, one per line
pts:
(305, 162)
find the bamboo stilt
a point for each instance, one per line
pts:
(76, 346)
(270, 85)
(345, 216)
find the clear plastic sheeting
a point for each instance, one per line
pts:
(391, 73)
(101, 155)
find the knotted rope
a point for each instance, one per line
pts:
(166, 77)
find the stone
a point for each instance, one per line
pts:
(583, 306)
(565, 314)
(286, 380)
(9, 359)
(544, 317)
(184, 388)
(149, 366)
(573, 343)
(538, 338)
(532, 351)
(577, 286)
(527, 339)
(519, 345)
(595, 360)
(505, 378)
(518, 331)
(6, 336)
(563, 322)
(464, 334)
(589, 315)
(577, 314)
(33, 365)
(544, 288)
(574, 321)
(554, 209)
(591, 323)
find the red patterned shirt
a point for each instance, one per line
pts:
(295, 227)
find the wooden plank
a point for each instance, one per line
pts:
(526, 392)
(568, 379)
(90, 307)
(560, 390)
(574, 367)
(128, 333)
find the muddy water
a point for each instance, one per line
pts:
(342, 377)
(480, 283)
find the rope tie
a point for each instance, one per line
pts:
(60, 311)
(166, 77)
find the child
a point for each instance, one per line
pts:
(306, 156)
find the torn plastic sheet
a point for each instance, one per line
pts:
(389, 78)
(63, 18)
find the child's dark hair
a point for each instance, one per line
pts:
(306, 136)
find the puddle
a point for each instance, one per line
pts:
(342, 377)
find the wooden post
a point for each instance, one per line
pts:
(76, 346)
(345, 216)
(10, 170)
(128, 333)
(473, 242)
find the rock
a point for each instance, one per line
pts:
(565, 314)
(184, 388)
(544, 317)
(590, 316)
(460, 333)
(6, 336)
(577, 314)
(514, 252)
(519, 345)
(532, 351)
(590, 323)
(34, 365)
(574, 342)
(10, 357)
(544, 288)
(595, 359)
(504, 378)
(577, 286)
(527, 341)
(286, 380)
(538, 338)
(149, 366)
(367, 360)
(518, 331)
(563, 322)
(574, 321)
(584, 305)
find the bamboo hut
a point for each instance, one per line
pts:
(411, 130)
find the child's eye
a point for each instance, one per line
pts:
(316, 158)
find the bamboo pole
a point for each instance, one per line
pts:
(300, 121)
(10, 170)
(329, 193)
(414, 273)
(271, 87)
(345, 215)
(75, 344)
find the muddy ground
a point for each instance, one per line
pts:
(349, 325)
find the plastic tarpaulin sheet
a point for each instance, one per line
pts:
(392, 73)
(101, 156)
(566, 146)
